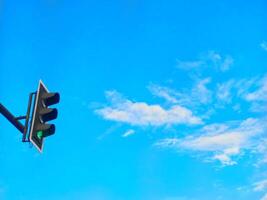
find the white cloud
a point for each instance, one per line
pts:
(216, 60)
(224, 93)
(264, 45)
(128, 133)
(201, 93)
(143, 114)
(243, 86)
(264, 197)
(260, 186)
(237, 108)
(222, 142)
(225, 142)
(109, 131)
(256, 94)
(252, 91)
(215, 57)
(164, 92)
(260, 94)
(258, 107)
(225, 159)
(227, 63)
(197, 95)
(209, 59)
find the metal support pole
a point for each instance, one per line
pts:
(21, 117)
(28, 117)
(11, 118)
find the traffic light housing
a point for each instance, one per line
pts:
(42, 114)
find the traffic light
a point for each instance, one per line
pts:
(42, 114)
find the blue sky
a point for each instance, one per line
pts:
(159, 100)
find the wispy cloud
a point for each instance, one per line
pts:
(208, 95)
(164, 92)
(260, 186)
(143, 114)
(198, 95)
(222, 142)
(264, 197)
(258, 107)
(264, 45)
(109, 131)
(210, 59)
(201, 93)
(252, 91)
(224, 93)
(222, 63)
(260, 94)
(128, 133)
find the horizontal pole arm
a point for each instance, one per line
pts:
(11, 118)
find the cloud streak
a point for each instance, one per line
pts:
(260, 94)
(198, 95)
(264, 45)
(260, 186)
(210, 59)
(128, 133)
(166, 93)
(252, 91)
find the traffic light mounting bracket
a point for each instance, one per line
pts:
(28, 117)
(15, 120)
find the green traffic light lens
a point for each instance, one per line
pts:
(40, 134)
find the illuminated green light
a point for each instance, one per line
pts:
(40, 134)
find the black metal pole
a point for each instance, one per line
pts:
(11, 118)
